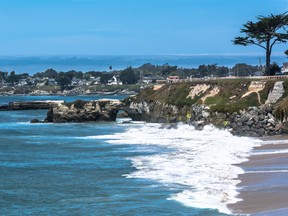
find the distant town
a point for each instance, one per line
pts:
(131, 79)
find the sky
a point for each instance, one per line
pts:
(129, 27)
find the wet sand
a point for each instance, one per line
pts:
(264, 186)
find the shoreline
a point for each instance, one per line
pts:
(263, 189)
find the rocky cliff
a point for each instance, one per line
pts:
(245, 107)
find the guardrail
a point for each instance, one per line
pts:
(231, 77)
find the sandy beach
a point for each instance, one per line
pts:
(264, 186)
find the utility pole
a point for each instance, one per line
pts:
(261, 67)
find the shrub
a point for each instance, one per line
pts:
(281, 110)
(79, 104)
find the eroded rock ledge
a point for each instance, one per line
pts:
(83, 111)
(244, 107)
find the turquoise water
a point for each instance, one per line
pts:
(92, 168)
(7, 99)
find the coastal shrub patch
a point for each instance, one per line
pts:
(178, 95)
(230, 93)
(281, 110)
(228, 98)
(216, 100)
(229, 88)
(146, 94)
(78, 104)
(236, 106)
(174, 94)
(285, 84)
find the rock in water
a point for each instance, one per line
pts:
(82, 111)
(35, 121)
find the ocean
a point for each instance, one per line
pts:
(115, 168)
(34, 64)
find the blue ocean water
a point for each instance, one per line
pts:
(113, 168)
(12, 98)
(31, 65)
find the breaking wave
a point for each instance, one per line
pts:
(199, 164)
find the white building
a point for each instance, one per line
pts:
(114, 81)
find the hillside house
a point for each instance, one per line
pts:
(172, 79)
(151, 79)
(114, 81)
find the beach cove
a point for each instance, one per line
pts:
(263, 188)
(155, 152)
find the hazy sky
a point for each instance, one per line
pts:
(128, 27)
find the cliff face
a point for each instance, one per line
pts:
(246, 107)
(154, 111)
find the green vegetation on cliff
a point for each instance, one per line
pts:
(223, 95)
(174, 94)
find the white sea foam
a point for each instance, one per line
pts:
(268, 171)
(198, 163)
(271, 151)
(275, 142)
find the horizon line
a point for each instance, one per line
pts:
(279, 54)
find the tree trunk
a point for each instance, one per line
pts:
(268, 58)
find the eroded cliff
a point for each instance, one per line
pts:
(245, 107)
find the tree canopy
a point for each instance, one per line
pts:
(63, 80)
(265, 33)
(128, 76)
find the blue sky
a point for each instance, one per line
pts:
(129, 27)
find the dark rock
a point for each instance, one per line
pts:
(257, 126)
(246, 128)
(232, 125)
(255, 119)
(261, 132)
(35, 121)
(261, 117)
(172, 126)
(254, 110)
(250, 123)
(239, 123)
(271, 133)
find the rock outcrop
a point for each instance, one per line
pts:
(234, 105)
(255, 121)
(256, 87)
(82, 111)
(276, 93)
(157, 112)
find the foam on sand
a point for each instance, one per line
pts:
(197, 163)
